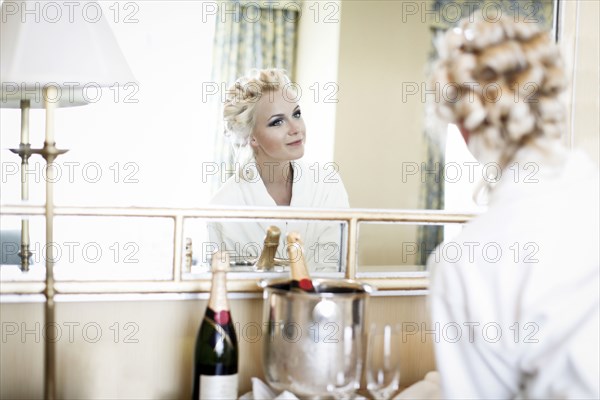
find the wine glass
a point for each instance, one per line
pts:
(383, 360)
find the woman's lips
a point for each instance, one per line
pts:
(296, 143)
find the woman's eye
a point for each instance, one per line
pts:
(276, 122)
(297, 114)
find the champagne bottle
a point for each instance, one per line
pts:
(266, 261)
(300, 278)
(216, 354)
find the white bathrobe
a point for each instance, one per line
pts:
(315, 185)
(539, 298)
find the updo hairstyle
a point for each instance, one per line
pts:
(238, 110)
(502, 81)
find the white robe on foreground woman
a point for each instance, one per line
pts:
(314, 186)
(517, 307)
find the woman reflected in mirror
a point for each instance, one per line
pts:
(264, 121)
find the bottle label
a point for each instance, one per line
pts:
(219, 387)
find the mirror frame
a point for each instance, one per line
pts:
(247, 282)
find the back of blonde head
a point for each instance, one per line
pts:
(502, 81)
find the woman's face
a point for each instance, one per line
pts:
(279, 132)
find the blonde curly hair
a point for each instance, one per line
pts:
(238, 110)
(502, 81)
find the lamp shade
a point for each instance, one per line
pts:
(68, 45)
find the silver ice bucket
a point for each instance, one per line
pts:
(314, 341)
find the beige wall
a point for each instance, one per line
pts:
(586, 78)
(376, 129)
(159, 365)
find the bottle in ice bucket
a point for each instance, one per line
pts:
(300, 279)
(266, 261)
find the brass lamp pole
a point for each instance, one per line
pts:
(50, 152)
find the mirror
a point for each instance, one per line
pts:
(325, 256)
(361, 65)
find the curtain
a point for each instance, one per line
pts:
(448, 13)
(249, 34)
